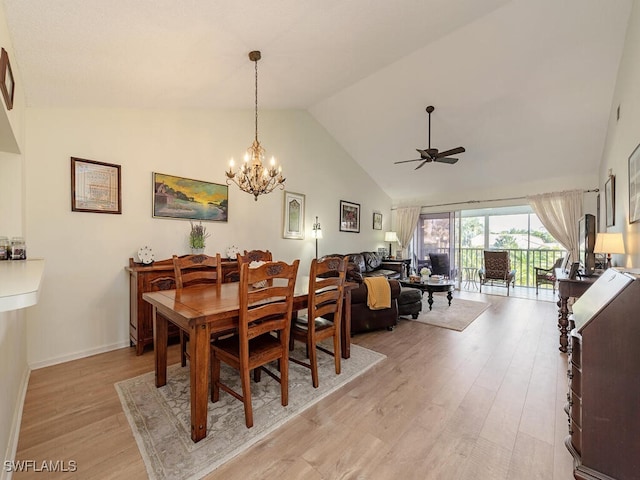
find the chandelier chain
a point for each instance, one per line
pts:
(253, 177)
(256, 97)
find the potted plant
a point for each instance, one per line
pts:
(197, 237)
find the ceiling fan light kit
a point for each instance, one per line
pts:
(432, 154)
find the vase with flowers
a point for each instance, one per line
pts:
(425, 273)
(197, 237)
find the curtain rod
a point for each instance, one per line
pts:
(594, 190)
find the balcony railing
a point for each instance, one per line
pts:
(523, 261)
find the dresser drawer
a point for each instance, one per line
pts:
(576, 436)
(575, 379)
(576, 353)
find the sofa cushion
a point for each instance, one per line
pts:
(371, 261)
(358, 261)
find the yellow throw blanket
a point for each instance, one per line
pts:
(379, 293)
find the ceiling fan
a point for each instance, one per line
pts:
(432, 154)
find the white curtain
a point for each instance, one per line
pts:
(405, 225)
(560, 212)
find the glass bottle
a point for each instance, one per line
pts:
(18, 249)
(5, 251)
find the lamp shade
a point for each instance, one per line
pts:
(390, 237)
(317, 233)
(609, 243)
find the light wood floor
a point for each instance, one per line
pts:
(486, 403)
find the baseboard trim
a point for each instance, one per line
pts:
(77, 355)
(14, 435)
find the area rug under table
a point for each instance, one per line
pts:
(458, 316)
(160, 417)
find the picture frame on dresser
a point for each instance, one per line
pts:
(634, 185)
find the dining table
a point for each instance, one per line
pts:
(204, 310)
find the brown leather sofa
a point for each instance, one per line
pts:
(371, 264)
(367, 264)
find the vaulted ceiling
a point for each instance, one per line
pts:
(525, 85)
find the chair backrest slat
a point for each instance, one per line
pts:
(197, 270)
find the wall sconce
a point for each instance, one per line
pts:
(316, 232)
(609, 243)
(390, 237)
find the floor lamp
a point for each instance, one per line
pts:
(316, 233)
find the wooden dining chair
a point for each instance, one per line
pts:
(191, 270)
(248, 257)
(263, 332)
(253, 256)
(326, 291)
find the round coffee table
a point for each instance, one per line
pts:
(431, 287)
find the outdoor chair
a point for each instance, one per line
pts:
(547, 276)
(497, 270)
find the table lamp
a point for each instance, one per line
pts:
(609, 243)
(390, 237)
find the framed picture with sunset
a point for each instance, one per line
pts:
(189, 199)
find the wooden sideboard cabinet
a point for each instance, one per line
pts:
(150, 278)
(603, 402)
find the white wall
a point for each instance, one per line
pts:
(622, 138)
(84, 303)
(14, 371)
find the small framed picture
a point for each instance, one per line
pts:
(609, 200)
(349, 217)
(634, 185)
(95, 186)
(377, 221)
(7, 83)
(293, 216)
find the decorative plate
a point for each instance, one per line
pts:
(145, 255)
(232, 251)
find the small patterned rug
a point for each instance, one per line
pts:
(458, 316)
(160, 417)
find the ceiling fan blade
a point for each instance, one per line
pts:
(448, 160)
(453, 151)
(422, 164)
(414, 160)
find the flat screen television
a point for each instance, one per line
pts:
(587, 241)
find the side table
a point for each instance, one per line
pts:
(469, 277)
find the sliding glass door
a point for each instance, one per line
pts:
(435, 234)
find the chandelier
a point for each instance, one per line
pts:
(253, 177)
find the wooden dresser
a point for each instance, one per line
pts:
(151, 278)
(603, 403)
